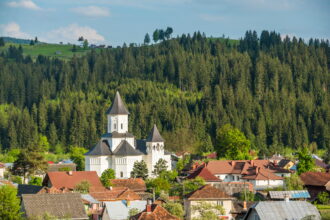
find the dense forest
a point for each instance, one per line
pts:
(274, 90)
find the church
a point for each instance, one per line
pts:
(118, 149)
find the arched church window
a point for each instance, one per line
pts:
(121, 125)
(115, 126)
(121, 174)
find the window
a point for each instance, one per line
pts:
(115, 126)
(121, 174)
(121, 125)
(220, 202)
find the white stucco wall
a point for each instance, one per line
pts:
(2, 172)
(97, 163)
(118, 123)
(123, 166)
(225, 203)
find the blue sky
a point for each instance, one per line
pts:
(117, 21)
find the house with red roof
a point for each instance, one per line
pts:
(154, 212)
(210, 195)
(316, 182)
(135, 184)
(205, 174)
(261, 173)
(69, 180)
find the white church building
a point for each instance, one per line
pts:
(118, 149)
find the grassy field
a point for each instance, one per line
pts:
(51, 50)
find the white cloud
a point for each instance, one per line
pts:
(211, 18)
(72, 32)
(92, 11)
(24, 4)
(12, 29)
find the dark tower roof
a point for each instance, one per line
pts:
(118, 107)
(125, 149)
(101, 148)
(154, 135)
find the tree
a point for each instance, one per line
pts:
(161, 34)
(106, 176)
(146, 39)
(155, 35)
(74, 48)
(81, 38)
(35, 180)
(133, 211)
(306, 161)
(293, 182)
(77, 155)
(82, 187)
(192, 185)
(168, 32)
(159, 167)
(9, 203)
(140, 170)
(159, 185)
(207, 211)
(323, 198)
(31, 42)
(174, 208)
(36, 40)
(28, 162)
(2, 42)
(232, 144)
(85, 44)
(43, 143)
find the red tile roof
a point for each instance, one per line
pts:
(2, 165)
(207, 192)
(137, 184)
(247, 168)
(315, 178)
(70, 179)
(204, 173)
(157, 212)
(117, 193)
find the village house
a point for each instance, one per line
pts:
(261, 173)
(119, 210)
(282, 210)
(69, 180)
(316, 182)
(210, 195)
(118, 149)
(60, 206)
(135, 184)
(154, 212)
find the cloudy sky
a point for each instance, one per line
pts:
(117, 21)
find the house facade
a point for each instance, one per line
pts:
(119, 150)
(261, 173)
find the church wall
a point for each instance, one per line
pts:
(93, 164)
(124, 165)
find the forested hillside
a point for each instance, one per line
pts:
(276, 91)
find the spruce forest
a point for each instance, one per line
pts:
(274, 90)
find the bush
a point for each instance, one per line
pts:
(34, 180)
(323, 198)
(16, 179)
(82, 187)
(174, 208)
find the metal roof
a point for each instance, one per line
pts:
(118, 107)
(154, 135)
(282, 210)
(89, 198)
(125, 149)
(101, 148)
(120, 209)
(294, 194)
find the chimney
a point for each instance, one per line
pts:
(233, 163)
(148, 206)
(244, 206)
(257, 170)
(251, 162)
(70, 173)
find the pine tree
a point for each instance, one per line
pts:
(160, 166)
(140, 170)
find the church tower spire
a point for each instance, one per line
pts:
(154, 135)
(117, 116)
